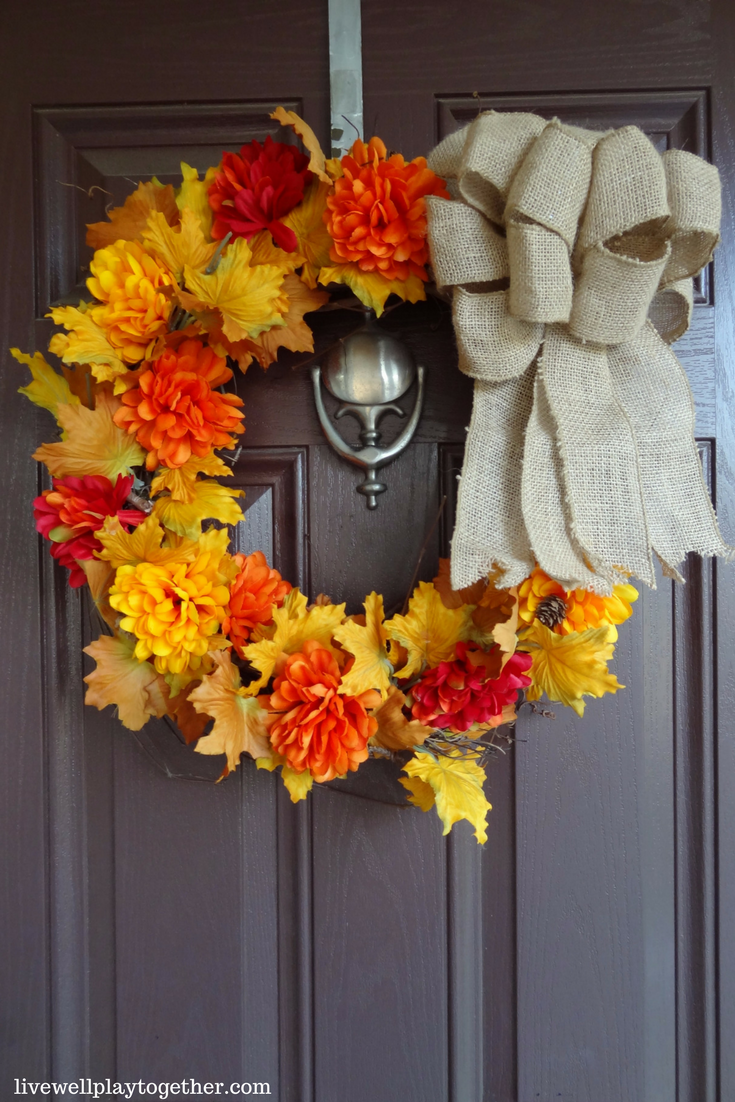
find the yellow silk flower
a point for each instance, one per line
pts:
(584, 608)
(130, 284)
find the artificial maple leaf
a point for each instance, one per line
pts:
(240, 724)
(85, 343)
(568, 667)
(372, 668)
(505, 633)
(455, 598)
(143, 544)
(210, 501)
(299, 785)
(454, 784)
(250, 299)
(128, 221)
(307, 222)
(265, 251)
(317, 162)
(193, 193)
(292, 625)
(47, 389)
(371, 288)
(190, 722)
(395, 732)
(94, 444)
(177, 246)
(181, 481)
(122, 680)
(429, 631)
(295, 334)
(100, 576)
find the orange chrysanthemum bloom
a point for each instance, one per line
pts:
(319, 729)
(584, 609)
(129, 283)
(376, 215)
(175, 411)
(255, 592)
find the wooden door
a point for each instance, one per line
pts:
(159, 927)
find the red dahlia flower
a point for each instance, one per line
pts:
(459, 693)
(250, 192)
(74, 510)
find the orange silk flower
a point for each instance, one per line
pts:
(319, 729)
(255, 592)
(175, 411)
(377, 215)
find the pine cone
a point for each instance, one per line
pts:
(551, 611)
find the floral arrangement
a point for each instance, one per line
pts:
(184, 284)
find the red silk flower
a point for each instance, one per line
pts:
(459, 693)
(74, 510)
(252, 191)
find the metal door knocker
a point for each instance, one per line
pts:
(367, 372)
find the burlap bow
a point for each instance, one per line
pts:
(570, 254)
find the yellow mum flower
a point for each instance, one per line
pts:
(174, 608)
(129, 283)
(582, 609)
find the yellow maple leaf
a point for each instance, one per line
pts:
(317, 163)
(395, 732)
(292, 625)
(128, 221)
(568, 667)
(181, 481)
(371, 288)
(295, 334)
(250, 299)
(100, 576)
(299, 785)
(179, 246)
(429, 631)
(240, 724)
(210, 501)
(193, 194)
(265, 251)
(372, 668)
(143, 544)
(454, 784)
(94, 444)
(307, 222)
(48, 389)
(85, 343)
(122, 680)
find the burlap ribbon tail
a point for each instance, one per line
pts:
(570, 255)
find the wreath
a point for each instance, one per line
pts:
(185, 283)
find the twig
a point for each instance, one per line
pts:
(422, 552)
(85, 191)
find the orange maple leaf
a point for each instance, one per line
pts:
(94, 444)
(128, 221)
(122, 680)
(395, 732)
(240, 724)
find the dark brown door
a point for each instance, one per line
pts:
(159, 927)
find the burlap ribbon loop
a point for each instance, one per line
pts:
(580, 454)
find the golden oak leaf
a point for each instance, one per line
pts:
(250, 299)
(395, 732)
(456, 785)
(299, 785)
(240, 724)
(295, 335)
(181, 481)
(317, 161)
(100, 576)
(122, 680)
(143, 544)
(193, 194)
(94, 444)
(210, 501)
(47, 389)
(568, 667)
(85, 343)
(307, 222)
(372, 668)
(177, 246)
(128, 221)
(429, 631)
(371, 288)
(293, 624)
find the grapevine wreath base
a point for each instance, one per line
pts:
(185, 284)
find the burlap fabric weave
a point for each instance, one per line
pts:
(570, 255)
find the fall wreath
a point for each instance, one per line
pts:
(185, 283)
